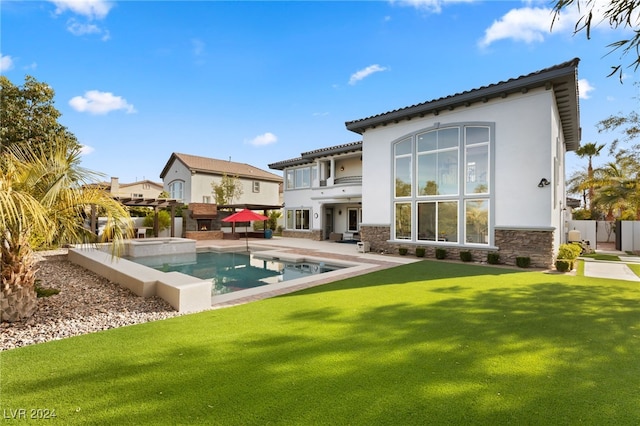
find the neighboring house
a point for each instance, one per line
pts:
(189, 178)
(480, 171)
(140, 189)
(325, 182)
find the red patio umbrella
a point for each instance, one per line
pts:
(245, 215)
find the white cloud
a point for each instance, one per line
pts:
(6, 62)
(86, 150)
(366, 72)
(98, 103)
(91, 9)
(264, 139)
(533, 24)
(78, 29)
(432, 6)
(585, 88)
(526, 24)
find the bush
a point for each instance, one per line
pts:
(523, 261)
(164, 220)
(403, 251)
(466, 256)
(420, 251)
(493, 258)
(563, 265)
(569, 251)
(441, 253)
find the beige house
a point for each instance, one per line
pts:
(189, 178)
(140, 189)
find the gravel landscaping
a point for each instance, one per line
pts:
(86, 303)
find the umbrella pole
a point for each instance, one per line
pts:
(246, 237)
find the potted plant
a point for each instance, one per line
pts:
(403, 251)
(441, 253)
(420, 251)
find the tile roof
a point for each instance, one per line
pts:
(310, 156)
(219, 167)
(562, 78)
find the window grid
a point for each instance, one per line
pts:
(460, 208)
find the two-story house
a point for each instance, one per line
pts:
(189, 178)
(140, 189)
(479, 171)
(323, 193)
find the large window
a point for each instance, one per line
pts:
(442, 185)
(438, 221)
(403, 168)
(300, 177)
(298, 219)
(438, 152)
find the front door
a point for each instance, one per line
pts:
(328, 222)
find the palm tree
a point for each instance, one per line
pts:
(618, 187)
(589, 150)
(576, 185)
(43, 194)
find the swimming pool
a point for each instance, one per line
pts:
(231, 271)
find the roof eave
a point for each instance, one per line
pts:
(549, 79)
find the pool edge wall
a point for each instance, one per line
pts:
(183, 292)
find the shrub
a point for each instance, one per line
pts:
(523, 261)
(563, 265)
(403, 251)
(164, 220)
(45, 292)
(569, 251)
(493, 258)
(441, 253)
(466, 256)
(420, 251)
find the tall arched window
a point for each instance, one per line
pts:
(176, 189)
(442, 185)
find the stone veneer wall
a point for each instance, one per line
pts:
(533, 243)
(315, 235)
(203, 235)
(511, 243)
(378, 237)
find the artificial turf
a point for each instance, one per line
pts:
(425, 343)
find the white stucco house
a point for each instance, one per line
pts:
(325, 182)
(480, 171)
(189, 177)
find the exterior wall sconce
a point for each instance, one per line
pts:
(543, 182)
(342, 168)
(339, 212)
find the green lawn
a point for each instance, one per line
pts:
(426, 343)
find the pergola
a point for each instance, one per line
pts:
(155, 203)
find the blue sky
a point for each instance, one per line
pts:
(261, 82)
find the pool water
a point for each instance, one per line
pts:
(233, 271)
